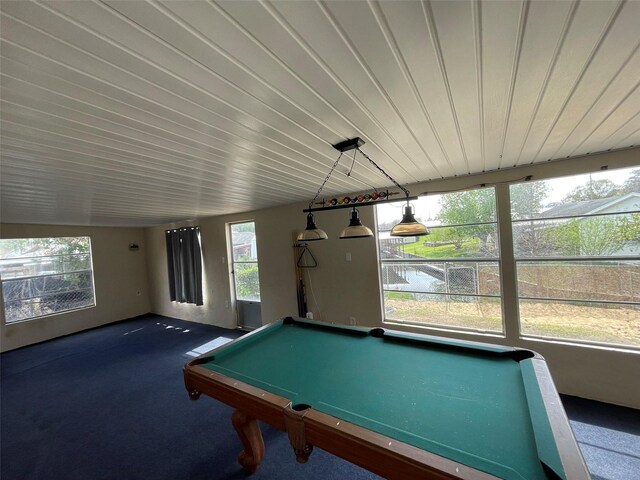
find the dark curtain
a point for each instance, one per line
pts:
(184, 265)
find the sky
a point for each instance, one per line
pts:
(429, 205)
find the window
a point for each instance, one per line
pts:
(451, 277)
(576, 247)
(44, 276)
(245, 261)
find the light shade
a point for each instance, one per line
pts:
(355, 228)
(312, 232)
(409, 226)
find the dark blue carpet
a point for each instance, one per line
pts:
(110, 403)
(609, 437)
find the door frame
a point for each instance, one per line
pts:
(232, 276)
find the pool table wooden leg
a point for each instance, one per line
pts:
(251, 438)
(294, 423)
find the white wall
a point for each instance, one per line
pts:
(338, 289)
(119, 274)
(341, 289)
(273, 231)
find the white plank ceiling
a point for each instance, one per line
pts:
(136, 113)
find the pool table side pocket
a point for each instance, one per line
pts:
(294, 419)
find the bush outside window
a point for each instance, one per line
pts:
(45, 276)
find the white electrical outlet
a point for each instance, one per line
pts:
(348, 256)
(352, 320)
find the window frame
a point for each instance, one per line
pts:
(445, 261)
(573, 259)
(91, 271)
(507, 262)
(243, 262)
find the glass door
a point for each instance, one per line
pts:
(244, 273)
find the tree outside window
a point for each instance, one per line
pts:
(44, 276)
(576, 244)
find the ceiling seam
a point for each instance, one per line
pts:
(352, 95)
(97, 185)
(158, 149)
(48, 148)
(176, 76)
(522, 26)
(583, 70)
(613, 78)
(164, 106)
(545, 83)
(207, 149)
(165, 175)
(376, 83)
(476, 13)
(383, 24)
(627, 136)
(164, 89)
(81, 141)
(612, 110)
(200, 36)
(285, 183)
(257, 77)
(428, 15)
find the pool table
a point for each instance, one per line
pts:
(402, 405)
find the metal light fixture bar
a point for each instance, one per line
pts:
(356, 204)
(355, 144)
(406, 228)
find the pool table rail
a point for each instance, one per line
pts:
(570, 455)
(377, 453)
(383, 455)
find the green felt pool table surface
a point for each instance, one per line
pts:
(479, 405)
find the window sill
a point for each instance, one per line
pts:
(440, 330)
(43, 317)
(613, 347)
